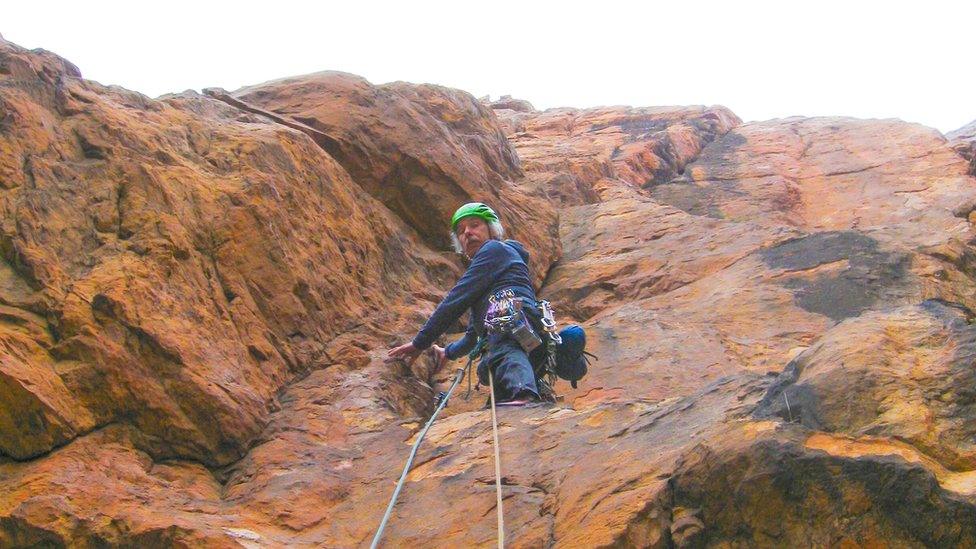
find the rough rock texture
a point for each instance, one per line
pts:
(421, 150)
(772, 244)
(196, 294)
(171, 265)
(963, 141)
(507, 102)
(577, 156)
(718, 290)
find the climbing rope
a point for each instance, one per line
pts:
(413, 453)
(498, 463)
(479, 348)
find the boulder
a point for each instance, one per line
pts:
(422, 150)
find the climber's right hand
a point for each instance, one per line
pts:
(440, 356)
(407, 353)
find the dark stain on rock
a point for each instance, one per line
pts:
(871, 272)
(899, 501)
(721, 152)
(694, 199)
(636, 128)
(704, 200)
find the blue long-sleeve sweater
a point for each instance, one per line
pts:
(495, 266)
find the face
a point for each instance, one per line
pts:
(472, 232)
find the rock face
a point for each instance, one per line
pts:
(576, 156)
(171, 265)
(963, 141)
(780, 242)
(421, 150)
(198, 291)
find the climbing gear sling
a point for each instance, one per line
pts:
(479, 348)
(413, 453)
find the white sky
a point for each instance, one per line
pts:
(763, 60)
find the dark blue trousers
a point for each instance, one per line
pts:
(511, 368)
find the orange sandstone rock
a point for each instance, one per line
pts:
(170, 265)
(196, 294)
(963, 141)
(421, 150)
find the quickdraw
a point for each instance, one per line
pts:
(552, 341)
(479, 349)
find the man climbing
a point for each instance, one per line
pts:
(497, 283)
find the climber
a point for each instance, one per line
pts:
(495, 288)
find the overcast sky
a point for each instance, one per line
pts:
(763, 60)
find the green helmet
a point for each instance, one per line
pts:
(476, 209)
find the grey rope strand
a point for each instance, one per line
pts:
(468, 370)
(413, 453)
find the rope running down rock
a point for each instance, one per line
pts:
(413, 453)
(498, 463)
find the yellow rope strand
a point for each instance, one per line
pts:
(498, 467)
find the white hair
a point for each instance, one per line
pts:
(495, 231)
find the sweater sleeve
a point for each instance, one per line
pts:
(462, 346)
(490, 262)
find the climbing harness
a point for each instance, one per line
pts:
(498, 464)
(505, 316)
(549, 321)
(413, 453)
